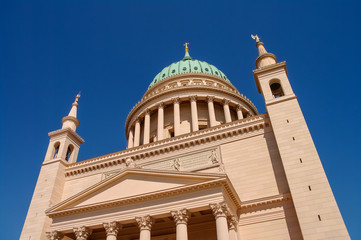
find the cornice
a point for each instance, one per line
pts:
(255, 203)
(66, 130)
(156, 148)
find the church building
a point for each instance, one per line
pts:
(201, 164)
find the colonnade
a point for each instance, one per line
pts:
(134, 134)
(226, 226)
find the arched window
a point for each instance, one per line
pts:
(69, 152)
(56, 149)
(276, 88)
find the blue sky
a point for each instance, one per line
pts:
(111, 50)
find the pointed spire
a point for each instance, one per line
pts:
(264, 58)
(71, 121)
(74, 107)
(186, 55)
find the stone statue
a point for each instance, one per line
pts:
(213, 157)
(255, 37)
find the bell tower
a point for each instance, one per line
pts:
(63, 149)
(315, 205)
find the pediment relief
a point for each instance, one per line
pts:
(132, 185)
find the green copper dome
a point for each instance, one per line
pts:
(188, 65)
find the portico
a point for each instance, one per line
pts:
(192, 205)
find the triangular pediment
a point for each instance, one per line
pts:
(133, 183)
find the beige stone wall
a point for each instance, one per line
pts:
(254, 167)
(48, 191)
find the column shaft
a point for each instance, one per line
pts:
(181, 231)
(160, 127)
(222, 228)
(194, 113)
(227, 112)
(239, 112)
(176, 111)
(137, 133)
(130, 139)
(211, 113)
(144, 234)
(146, 127)
(232, 234)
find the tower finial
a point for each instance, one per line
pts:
(255, 37)
(186, 45)
(186, 55)
(264, 58)
(71, 120)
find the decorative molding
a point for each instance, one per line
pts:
(145, 222)
(161, 105)
(82, 233)
(213, 157)
(193, 98)
(156, 148)
(176, 164)
(225, 101)
(176, 100)
(181, 216)
(112, 228)
(232, 222)
(210, 99)
(220, 209)
(252, 205)
(54, 235)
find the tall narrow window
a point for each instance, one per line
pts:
(56, 149)
(69, 152)
(276, 88)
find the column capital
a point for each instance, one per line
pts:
(232, 222)
(181, 216)
(210, 98)
(161, 105)
(147, 111)
(145, 223)
(82, 233)
(225, 101)
(239, 107)
(193, 98)
(112, 228)
(54, 235)
(219, 209)
(176, 100)
(137, 120)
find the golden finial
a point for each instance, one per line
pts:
(255, 37)
(186, 44)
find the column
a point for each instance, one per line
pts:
(232, 227)
(227, 113)
(160, 127)
(145, 225)
(112, 229)
(137, 133)
(82, 233)
(239, 112)
(212, 116)
(130, 138)
(194, 113)
(181, 218)
(176, 112)
(54, 235)
(220, 212)
(146, 127)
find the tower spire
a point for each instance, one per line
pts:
(264, 58)
(71, 121)
(186, 55)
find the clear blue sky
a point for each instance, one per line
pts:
(111, 50)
